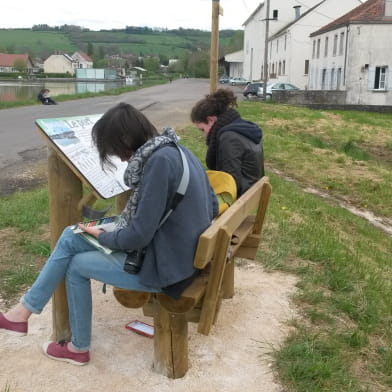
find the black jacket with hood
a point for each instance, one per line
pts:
(236, 147)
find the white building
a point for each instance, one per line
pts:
(290, 48)
(235, 62)
(60, 63)
(84, 60)
(289, 43)
(353, 53)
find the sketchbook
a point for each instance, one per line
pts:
(107, 224)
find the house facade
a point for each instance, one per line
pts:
(255, 32)
(84, 60)
(353, 53)
(7, 62)
(60, 63)
(290, 49)
(289, 46)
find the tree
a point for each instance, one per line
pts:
(20, 65)
(152, 64)
(90, 49)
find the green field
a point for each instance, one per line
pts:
(171, 44)
(36, 43)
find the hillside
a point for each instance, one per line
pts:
(172, 43)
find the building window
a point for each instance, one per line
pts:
(280, 68)
(335, 45)
(284, 67)
(338, 78)
(326, 47)
(306, 67)
(323, 79)
(341, 46)
(318, 48)
(380, 78)
(314, 49)
(332, 79)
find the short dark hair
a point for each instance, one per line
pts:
(213, 105)
(120, 132)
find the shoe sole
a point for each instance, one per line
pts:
(13, 333)
(68, 360)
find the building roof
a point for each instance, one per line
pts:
(372, 11)
(284, 28)
(85, 56)
(8, 60)
(235, 57)
(253, 13)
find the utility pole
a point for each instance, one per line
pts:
(265, 68)
(214, 46)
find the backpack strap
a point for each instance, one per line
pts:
(182, 187)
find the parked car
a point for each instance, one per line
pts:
(238, 81)
(276, 87)
(224, 79)
(251, 89)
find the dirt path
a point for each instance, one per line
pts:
(234, 357)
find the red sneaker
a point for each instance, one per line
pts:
(59, 352)
(13, 328)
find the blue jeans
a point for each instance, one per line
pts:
(77, 261)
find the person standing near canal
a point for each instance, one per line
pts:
(234, 145)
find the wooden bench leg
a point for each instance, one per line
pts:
(228, 280)
(170, 343)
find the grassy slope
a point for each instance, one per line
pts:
(45, 43)
(35, 42)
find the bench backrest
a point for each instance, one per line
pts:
(252, 203)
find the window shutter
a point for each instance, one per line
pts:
(371, 76)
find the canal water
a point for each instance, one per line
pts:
(21, 90)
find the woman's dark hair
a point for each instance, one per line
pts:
(120, 132)
(213, 105)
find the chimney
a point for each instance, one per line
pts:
(297, 9)
(388, 8)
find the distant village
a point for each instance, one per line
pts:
(339, 50)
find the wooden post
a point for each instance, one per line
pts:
(65, 192)
(170, 343)
(214, 54)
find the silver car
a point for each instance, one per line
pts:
(239, 81)
(276, 87)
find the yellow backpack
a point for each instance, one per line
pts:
(224, 187)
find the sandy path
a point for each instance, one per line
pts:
(233, 358)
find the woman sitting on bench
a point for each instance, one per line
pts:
(155, 170)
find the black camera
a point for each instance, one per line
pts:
(134, 261)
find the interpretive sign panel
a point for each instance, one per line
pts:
(71, 136)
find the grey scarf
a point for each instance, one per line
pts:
(133, 174)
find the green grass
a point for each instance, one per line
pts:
(347, 154)
(342, 339)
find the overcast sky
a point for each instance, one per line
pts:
(114, 14)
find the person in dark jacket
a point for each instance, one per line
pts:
(45, 98)
(154, 172)
(234, 144)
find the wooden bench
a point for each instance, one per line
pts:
(236, 233)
